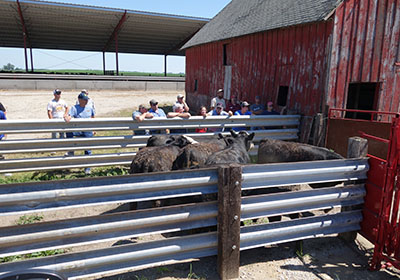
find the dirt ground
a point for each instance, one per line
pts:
(324, 258)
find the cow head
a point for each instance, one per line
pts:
(244, 137)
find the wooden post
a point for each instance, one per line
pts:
(319, 124)
(229, 204)
(356, 147)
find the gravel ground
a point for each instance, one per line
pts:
(324, 258)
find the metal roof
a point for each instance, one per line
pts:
(240, 18)
(52, 25)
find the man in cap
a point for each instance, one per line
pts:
(156, 112)
(179, 100)
(90, 100)
(218, 99)
(81, 111)
(139, 116)
(242, 112)
(257, 108)
(57, 109)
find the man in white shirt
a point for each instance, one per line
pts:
(218, 99)
(57, 109)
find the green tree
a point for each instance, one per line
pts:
(9, 67)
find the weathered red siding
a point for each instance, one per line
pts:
(296, 57)
(366, 49)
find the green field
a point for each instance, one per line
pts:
(96, 72)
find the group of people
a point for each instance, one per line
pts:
(218, 107)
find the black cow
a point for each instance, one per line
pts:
(271, 151)
(159, 158)
(195, 155)
(236, 150)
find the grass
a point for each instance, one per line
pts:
(25, 220)
(98, 72)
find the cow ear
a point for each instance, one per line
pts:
(220, 136)
(228, 141)
(251, 136)
(234, 133)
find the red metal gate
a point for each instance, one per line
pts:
(380, 222)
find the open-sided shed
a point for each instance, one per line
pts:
(306, 55)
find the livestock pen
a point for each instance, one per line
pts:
(285, 127)
(232, 206)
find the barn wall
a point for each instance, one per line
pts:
(296, 57)
(366, 49)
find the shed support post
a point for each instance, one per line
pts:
(24, 34)
(32, 70)
(116, 55)
(229, 205)
(104, 63)
(357, 147)
(165, 65)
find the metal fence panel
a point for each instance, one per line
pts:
(284, 174)
(101, 124)
(65, 194)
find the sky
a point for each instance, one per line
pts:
(54, 59)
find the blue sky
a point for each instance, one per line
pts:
(54, 59)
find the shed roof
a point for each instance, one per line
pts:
(88, 28)
(240, 18)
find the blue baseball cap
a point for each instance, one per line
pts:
(83, 96)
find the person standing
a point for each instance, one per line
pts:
(178, 111)
(257, 108)
(156, 112)
(57, 109)
(270, 109)
(203, 113)
(180, 101)
(232, 105)
(244, 111)
(139, 116)
(2, 108)
(2, 136)
(218, 99)
(90, 101)
(218, 111)
(81, 111)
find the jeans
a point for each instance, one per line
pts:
(81, 134)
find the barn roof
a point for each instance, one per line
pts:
(52, 25)
(240, 18)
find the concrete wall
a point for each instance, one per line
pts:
(70, 84)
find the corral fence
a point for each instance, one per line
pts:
(381, 211)
(380, 224)
(244, 193)
(284, 127)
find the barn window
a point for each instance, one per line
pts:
(195, 85)
(282, 95)
(225, 54)
(362, 96)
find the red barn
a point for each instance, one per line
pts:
(308, 55)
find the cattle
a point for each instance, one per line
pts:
(236, 151)
(159, 158)
(195, 155)
(160, 140)
(273, 151)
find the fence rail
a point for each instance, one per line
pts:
(280, 127)
(49, 197)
